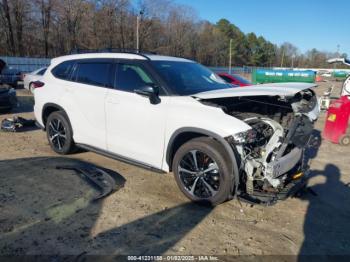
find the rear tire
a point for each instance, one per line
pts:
(214, 186)
(59, 133)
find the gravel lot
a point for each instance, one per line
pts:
(49, 211)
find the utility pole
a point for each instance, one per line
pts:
(230, 57)
(338, 48)
(138, 21)
(338, 55)
(282, 57)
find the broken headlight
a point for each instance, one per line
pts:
(245, 137)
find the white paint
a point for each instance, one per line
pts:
(128, 124)
(273, 89)
(32, 77)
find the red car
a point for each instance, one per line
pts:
(234, 79)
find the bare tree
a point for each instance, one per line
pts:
(54, 27)
(46, 9)
(9, 32)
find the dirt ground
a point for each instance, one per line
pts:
(49, 211)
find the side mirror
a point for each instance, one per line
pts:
(152, 92)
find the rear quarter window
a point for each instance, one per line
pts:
(41, 72)
(63, 70)
(93, 73)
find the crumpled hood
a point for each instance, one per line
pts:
(274, 89)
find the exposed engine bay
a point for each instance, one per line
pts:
(271, 154)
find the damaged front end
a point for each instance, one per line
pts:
(271, 155)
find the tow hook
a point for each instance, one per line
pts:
(96, 176)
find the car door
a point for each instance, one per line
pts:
(135, 127)
(85, 98)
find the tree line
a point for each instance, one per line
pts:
(50, 28)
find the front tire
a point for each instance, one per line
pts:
(59, 133)
(203, 171)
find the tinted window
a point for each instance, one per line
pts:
(63, 70)
(227, 79)
(131, 77)
(94, 73)
(42, 71)
(187, 78)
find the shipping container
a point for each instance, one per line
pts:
(340, 74)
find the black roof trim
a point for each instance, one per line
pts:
(113, 50)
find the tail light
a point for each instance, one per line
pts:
(38, 84)
(23, 76)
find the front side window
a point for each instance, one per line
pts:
(93, 73)
(188, 78)
(131, 77)
(63, 70)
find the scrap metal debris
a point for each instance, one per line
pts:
(94, 175)
(16, 124)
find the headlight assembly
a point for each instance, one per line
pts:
(245, 137)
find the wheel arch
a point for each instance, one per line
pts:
(182, 135)
(50, 108)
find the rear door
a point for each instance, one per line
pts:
(85, 96)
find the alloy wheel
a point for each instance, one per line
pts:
(57, 133)
(200, 174)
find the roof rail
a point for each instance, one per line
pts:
(113, 50)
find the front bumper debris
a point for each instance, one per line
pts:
(271, 198)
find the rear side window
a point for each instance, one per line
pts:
(42, 71)
(63, 70)
(131, 77)
(94, 73)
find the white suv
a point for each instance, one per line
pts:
(173, 114)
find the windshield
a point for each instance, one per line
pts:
(188, 78)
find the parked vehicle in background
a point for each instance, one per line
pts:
(10, 77)
(31, 77)
(234, 79)
(8, 98)
(173, 114)
(327, 74)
